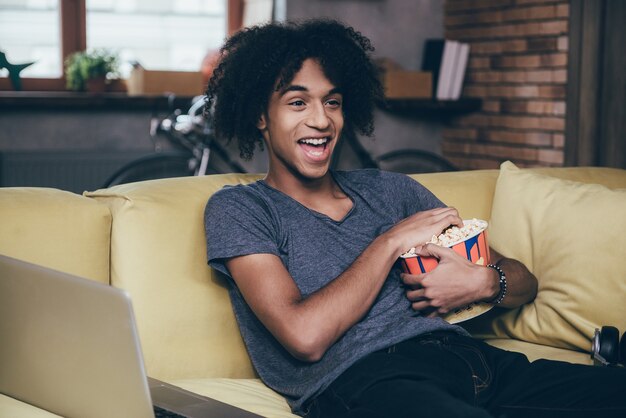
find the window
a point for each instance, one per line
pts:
(29, 31)
(159, 34)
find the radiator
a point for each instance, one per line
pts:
(65, 170)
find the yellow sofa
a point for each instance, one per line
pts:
(148, 238)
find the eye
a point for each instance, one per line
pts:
(333, 103)
(297, 103)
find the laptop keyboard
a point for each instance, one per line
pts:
(164, 413)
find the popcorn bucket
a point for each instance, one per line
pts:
(469, 242)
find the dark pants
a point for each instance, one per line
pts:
(448, 375)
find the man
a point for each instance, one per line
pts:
(327, 319)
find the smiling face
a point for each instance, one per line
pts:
(301, 127)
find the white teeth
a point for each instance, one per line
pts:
(314, 141)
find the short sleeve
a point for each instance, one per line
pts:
(238, 221)
(412, 195)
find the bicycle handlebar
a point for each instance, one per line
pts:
(189, 129)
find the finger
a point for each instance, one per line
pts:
(416, 295)
(443, 210)
(449, 216)
(434, 250)
(423, 306)
(458, 221)
(412, 280)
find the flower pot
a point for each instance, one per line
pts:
(96, 85)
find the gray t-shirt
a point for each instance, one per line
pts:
(315, 249)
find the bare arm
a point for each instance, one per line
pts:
(521, 283)
(457, 282)
(307, 327)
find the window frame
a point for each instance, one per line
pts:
(73, 23)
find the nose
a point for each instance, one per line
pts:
(318, 118)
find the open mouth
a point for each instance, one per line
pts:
(314, 147)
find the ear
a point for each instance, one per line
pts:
(262, 122)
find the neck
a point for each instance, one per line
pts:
(303, 189)
(322, 195)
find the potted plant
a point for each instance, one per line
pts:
(89, 70)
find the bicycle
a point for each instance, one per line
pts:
(196, 143)
(406, 161)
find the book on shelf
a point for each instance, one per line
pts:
(460, 69)
(447, 60)
(447, 70)
(431, 60)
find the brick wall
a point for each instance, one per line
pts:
(518, 67)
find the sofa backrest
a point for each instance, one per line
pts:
(471, 192)
(56, 229)
(158, 253)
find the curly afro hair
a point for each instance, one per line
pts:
(258, 60)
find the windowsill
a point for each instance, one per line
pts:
(62, 100)
(65, 100)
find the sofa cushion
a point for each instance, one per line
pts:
(571, 236)
(538, 351)
(56, 229)
(11, 407)
(470, 192)
(249, 394)
(158, 254)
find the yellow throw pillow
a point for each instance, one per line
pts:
(572, 236)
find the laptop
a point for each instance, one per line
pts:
(70, 346)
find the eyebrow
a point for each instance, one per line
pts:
(296, 87)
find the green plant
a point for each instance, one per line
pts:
(86, 65)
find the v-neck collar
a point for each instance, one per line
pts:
(320, 215)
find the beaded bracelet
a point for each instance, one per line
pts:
(498, 299)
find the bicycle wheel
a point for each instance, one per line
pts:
(152, 167)
(413, 161)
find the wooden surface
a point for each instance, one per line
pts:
(596, 90)
(86, 101)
